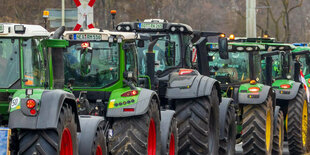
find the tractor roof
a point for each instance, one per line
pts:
(22, 30)
(154, 25)
(97, 34)
(299, 49)
(279, 46)
(238, 46)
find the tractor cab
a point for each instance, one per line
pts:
(242, 66)
(23, 61)
(172, 50)
(97, 63)
(302, 55)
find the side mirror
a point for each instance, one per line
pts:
(86, 58)
(223, 48)
(170, 52)
(140, 43)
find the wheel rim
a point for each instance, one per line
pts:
(66, 143)
(172, 145)
(211, 134)
(99, 150)
(268, 130)
(304, 123)
(280, 137)
(151, 144)
(286, 122)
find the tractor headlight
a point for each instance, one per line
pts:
(173, 28)
(119, 28)
(127, 28)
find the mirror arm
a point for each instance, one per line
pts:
(130, 84)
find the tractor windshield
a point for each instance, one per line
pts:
(165, 58)
(92, 64)
(282, 67)
(9, 62)
(305, 64)
(232, 70)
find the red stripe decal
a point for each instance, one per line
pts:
(91, 26)
(91, 3)
(77, 27)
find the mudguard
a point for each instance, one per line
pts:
(244, 98)
(226, 102)
(165, 123)
(275, 120)
(191, 86)
(47, 117)
(288, 94)
(89, 125)
(140, 107)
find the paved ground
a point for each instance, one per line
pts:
(239, 149)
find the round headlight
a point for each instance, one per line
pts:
(119, 28)
(249, 48)
(173, 28)
(281, 48)
(240, 48)
(182, 29)
(127, 28)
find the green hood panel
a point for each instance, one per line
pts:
(117, 101)
(278, 83)
(246, 86)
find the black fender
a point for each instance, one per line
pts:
(191, 86)
(288, 94)
(141, 107)
(275, 120)
(48, 114)
(89, 125)
(244, 98)
(226, 102)
(165, 123)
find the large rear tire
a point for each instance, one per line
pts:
(198, 124)
(227, 145)
(278, 135)
(139, 135)
(257, 128)
(62, 140)
(298, 124)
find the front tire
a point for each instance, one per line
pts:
(137, 134)
(62, 140)
(227, 145)
(172, 139)
(277, 148)
(298, 124)
(257, 128)
(198, 124)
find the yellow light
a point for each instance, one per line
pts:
(222, 35)
(265, 36)
(252, 82)
(113, 12)
(46, 14)
(231, 37)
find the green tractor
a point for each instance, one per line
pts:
(38, 117)
(242, 79)
(166, 67)
(290, 92)
(101, 69)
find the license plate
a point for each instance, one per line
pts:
(4, 141)
(150, 26)
(87, 37)
(1, 28)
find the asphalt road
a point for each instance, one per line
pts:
(239, 149)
